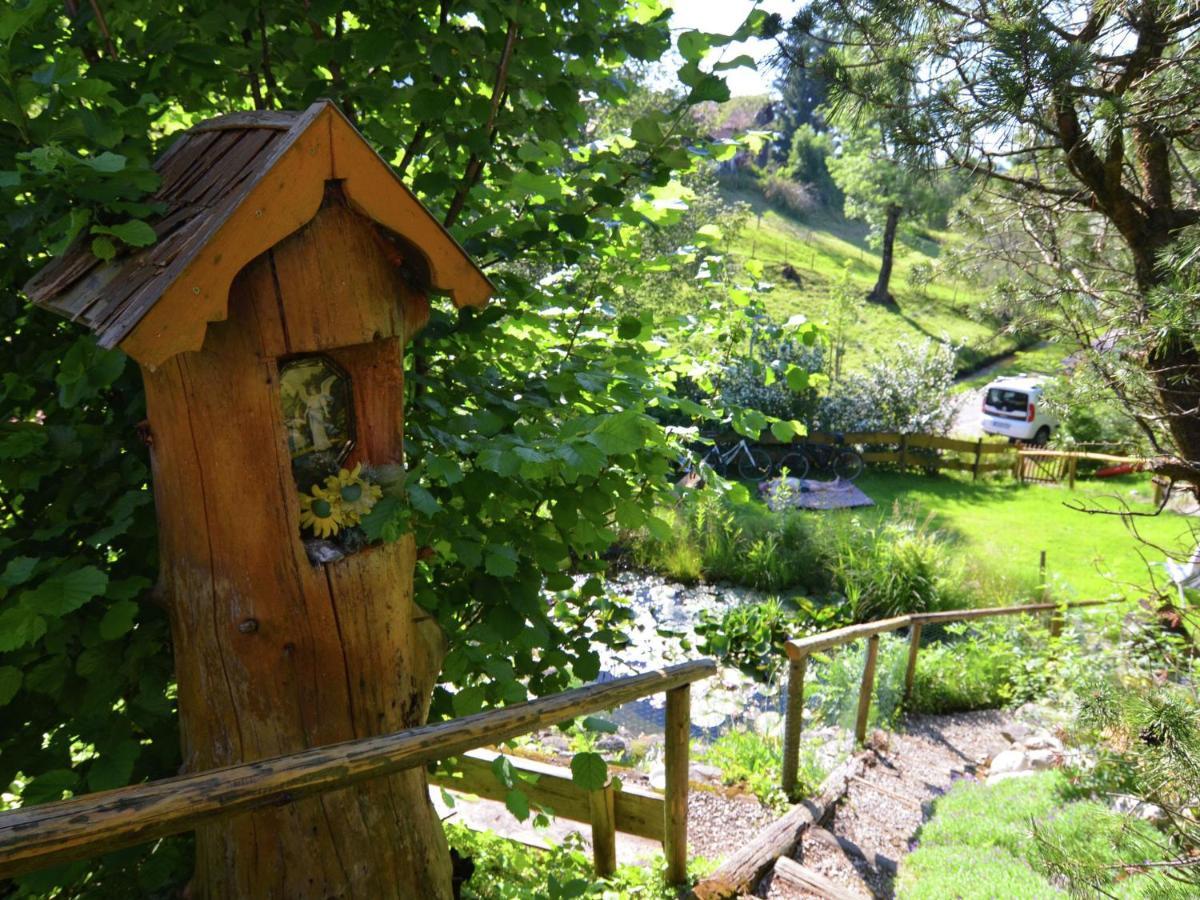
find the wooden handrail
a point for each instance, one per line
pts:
(38, 836)
(800, 649)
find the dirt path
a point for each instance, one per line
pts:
(877, 822)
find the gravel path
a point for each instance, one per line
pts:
(876, 823)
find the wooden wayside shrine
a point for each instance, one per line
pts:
(270, 320)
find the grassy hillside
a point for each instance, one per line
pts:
(820, 245)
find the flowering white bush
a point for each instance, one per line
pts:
(909, 391)
(761, 383)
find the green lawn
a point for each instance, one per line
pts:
(1006, 525)
(818, 248)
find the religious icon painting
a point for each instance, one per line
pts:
(318, 413)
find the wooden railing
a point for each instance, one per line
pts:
(920, 450)
(38, 836)
(801, 649)
(1038, 464)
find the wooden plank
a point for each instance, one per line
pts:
(937, 442)
(793, 723)
(743, 869)
(1031, 453)
(914, 647)
(838, 636)
(1005, 466)
(881, 456)
(675, 821)
(994, 447)
(866, 689)
(789, 874)
(954, 465)
(604, 830)
(637, 811)
(39, 836)
(675, 756)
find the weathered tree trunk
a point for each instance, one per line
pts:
(273, 654)
(880, 293)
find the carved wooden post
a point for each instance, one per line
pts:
(270, 321)
(793, 724)
(678, 738)
(866, 689)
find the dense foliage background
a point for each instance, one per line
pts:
(536, 426)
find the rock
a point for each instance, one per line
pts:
(1041, 759)
(658, 778)
(997, 777)
(1043, 740)
(1128, 805)
(701, 772)
(613, 743)
(1015, 732)
(1008, 761)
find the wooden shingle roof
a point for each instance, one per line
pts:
(232, 187)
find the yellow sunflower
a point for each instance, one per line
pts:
(322, 513)
(355, 496)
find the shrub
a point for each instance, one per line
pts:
(966, 873)
(964, 675)
(755, 761)
(751, 635)
(896, 567)
(837, 678)
(760, 380)
(717, 538)
(907, 391)
(788, 196)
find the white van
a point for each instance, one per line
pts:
(1012, 408)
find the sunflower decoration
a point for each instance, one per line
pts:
(353, 494)
(322, 512)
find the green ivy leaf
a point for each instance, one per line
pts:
(589, 771)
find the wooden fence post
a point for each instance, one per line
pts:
(914, 645)
(1071, 472)
(604, 829)
(678, 734)
(867, 688)
(904, 451)
(793, 723)
(978, 454)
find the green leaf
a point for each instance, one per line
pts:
(66, 592)
(646, 130)
(620, 433)
(10, 683)
(135, 232)
(17, 571)
(118, 619)
(710, 87)
(517, 804)
(589, 771)
(114, 766)
(600, 725)
(103, 249)
(20, 626)
(106, 162)
(500, 561)
(629, 327)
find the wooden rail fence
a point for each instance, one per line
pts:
(35, 837)
(1025, 462)
(800, 649)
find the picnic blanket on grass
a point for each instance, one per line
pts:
(807, 493)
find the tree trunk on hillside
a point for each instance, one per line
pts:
(880, 293)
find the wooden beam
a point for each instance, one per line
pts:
(678, 740)
(40, 836)
(793, 723)
(604, 830)
(790, 874)
(838, 636)
(744, 867)
(866, 689)
(914, 646)
(637, 811)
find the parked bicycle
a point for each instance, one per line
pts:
(843, 461)
(740, 459)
